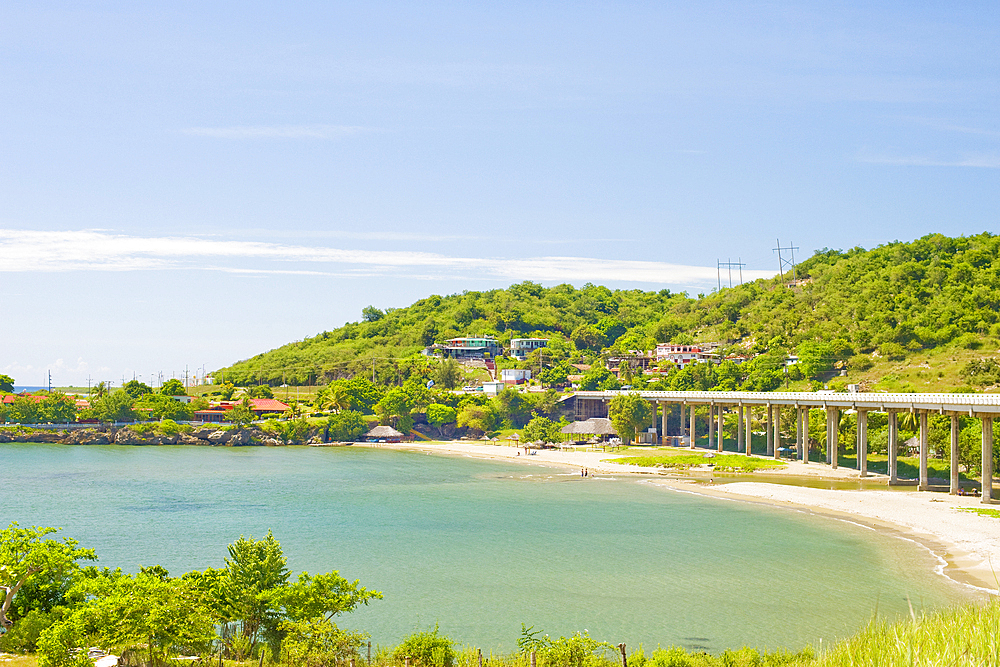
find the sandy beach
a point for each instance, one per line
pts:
(966, 544)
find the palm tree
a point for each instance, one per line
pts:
(100, 389)
(337, 398)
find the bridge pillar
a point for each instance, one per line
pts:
(863, 443)
(691, 440)
(832, 439)
(663, 421)
(711, 426)
(987, 458)
(740, 442)
(769, 429)
(893, 446)
(749, 430)
(777, 431)
(798, 431)
(922, 484)
(954, 486)
(722, 432)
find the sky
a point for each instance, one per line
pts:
(187, 184)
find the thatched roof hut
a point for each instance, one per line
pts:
(592, 426)
(386, 433)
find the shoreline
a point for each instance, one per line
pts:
(965, 544)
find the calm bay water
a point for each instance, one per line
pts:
(481, 546)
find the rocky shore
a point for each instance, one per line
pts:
(126, 435)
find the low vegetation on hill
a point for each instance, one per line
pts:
(905, 316)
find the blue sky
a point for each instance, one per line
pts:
(192, 183)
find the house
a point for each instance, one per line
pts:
(492, 388)
(470, 348)
(520, 347)
(684, 355)
(258, 406)
(515, 375)
(633, 359)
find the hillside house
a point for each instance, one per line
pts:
(520, 347)
(683, 356)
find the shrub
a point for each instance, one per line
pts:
(427, 649)
(892, 351)
(860, 363)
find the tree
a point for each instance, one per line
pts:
(24, 553)
(116, 407)
(6, 383)
(226, 390)
(629, 413)
(427, 649)
(158, 406)
(57, 408)
(587, 337)
(346, 426)
(261, 391)
(24, 410)
(448, 374)
(478, 417)
(255, 571)
(173, 387)
(148, 613)
(394, 406)
(438, 415)
(241, 414)
(337, 397)
(543, 428)
(135, 389)
(371, 314)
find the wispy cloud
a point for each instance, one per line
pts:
(977, 161)
(90, 250)
(277, 131)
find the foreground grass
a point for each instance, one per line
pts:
(720, 462)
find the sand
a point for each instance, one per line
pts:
(966, 544)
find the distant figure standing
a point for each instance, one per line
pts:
(581, 472)
(586, 472)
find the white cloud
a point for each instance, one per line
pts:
(91, 250)
(276, 131)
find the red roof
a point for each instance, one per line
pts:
(267, 405)
(9, 398)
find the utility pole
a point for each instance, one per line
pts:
(783, 263)
(50, 382)
(185, 377)
(88, 385)
(729, 265)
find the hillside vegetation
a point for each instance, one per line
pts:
(905, 316)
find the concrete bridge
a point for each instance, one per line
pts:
(984, 407)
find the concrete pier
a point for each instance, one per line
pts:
(740, 443)
(777, 432)
(769, 429)
(863, 443)
(693, 431)
(893, 445)
(711, 426)
(722, 431)
(749, 430)
(954, 486)
(922, 484)
(987, 458)
(832, 435)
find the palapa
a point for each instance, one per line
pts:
(383, 432)
(592, 426)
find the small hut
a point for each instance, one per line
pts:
(594, 426)
(383, 434)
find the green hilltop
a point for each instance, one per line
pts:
(904, 316)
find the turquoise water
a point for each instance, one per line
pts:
(481, 546)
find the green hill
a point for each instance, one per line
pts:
(905, 316)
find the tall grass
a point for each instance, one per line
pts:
(960, 637)
(720, 462)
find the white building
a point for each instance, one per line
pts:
(515, 375)
(520, 347)
(684, 355)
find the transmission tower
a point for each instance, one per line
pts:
(786, 263)
(729, 264)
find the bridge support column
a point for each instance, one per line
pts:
(863, 443)
(740, 442)
(954, 486)
(691, 435)
(749, 430)
(922, 484)
(722, 432)
(798, 432)
(777, 431)
(987, 458)
(663, 422)
(893, 446)
(832, 439)
(711, 426)
(770, 429)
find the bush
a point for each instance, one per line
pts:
(892, 351)
(23, 638)
(427, 649)
(860, 363)
(981, 372)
